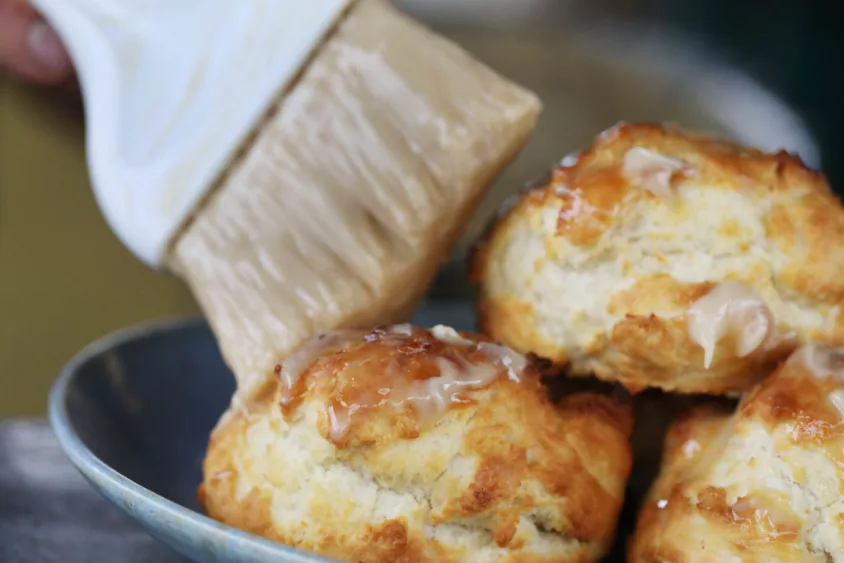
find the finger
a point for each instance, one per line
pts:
(29, 47)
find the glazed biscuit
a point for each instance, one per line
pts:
(662, 258)
(762, 485)
(410, 445)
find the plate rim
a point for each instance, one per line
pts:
(104, 476)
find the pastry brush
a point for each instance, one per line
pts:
(304, 166)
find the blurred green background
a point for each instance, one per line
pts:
(64, 278)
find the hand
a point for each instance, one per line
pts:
(29, 48)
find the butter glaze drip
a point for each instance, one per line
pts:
(771, 520)
(290, 371)
(400, 369)
(652, 171)
(731, 308)
(821, 361)
(826, 366)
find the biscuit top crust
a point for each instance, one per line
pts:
(652, 161)
(396, 379)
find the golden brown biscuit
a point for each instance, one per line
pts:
(409, 445)
(763, 485)
(660, 258)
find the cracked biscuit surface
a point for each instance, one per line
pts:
(410, 445)
(662, 258)
(762, 485)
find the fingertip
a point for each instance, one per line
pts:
(48, 54)
(29, 48)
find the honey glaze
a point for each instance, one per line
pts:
(394, 372)
(734, 309)
(290, 370)
(822, 362)
(652, 171)
(768, 519)
(590, 199)
(825, 366)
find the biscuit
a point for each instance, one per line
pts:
(410, 445)
(662, 258)
(761, 485)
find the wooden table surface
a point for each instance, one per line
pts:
(50, 514)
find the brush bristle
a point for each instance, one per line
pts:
(353, 192)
